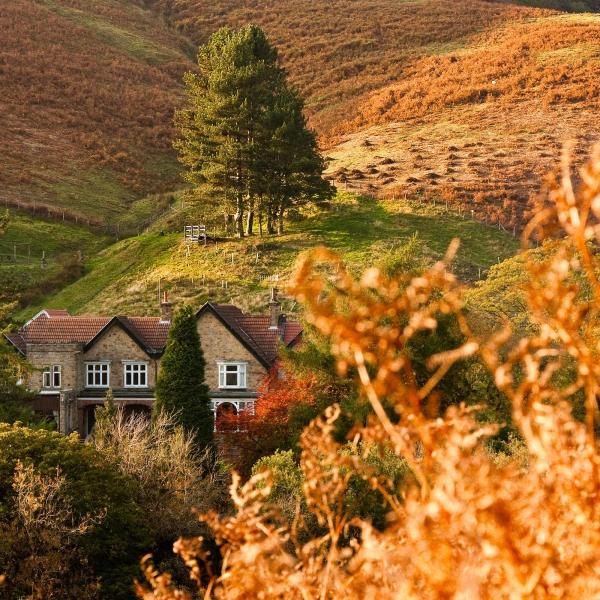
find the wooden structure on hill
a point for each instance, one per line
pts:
(194, 233)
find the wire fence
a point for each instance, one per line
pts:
(116, 229)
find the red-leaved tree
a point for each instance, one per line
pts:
(247, 437)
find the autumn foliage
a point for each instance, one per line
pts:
(467, 525)
(247, 437)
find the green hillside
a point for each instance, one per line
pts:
(125, 277)
(28, 240)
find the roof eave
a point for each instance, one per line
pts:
(14, 345)
(207, 306)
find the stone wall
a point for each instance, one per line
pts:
(220, 345)
(116, 346)
(68, 356)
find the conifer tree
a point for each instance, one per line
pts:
(244, 138)
(180, 388)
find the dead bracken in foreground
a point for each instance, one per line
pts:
(468, 527)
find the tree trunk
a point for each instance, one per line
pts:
(239, 200)
(270, 219)
(239, 216)
(250, 223)
(280, 220)
(260, 224)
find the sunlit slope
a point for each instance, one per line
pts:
(126, 277)
(482, 125)
(337, 50)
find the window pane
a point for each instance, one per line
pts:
(56, 376)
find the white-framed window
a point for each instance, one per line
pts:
(56, 376)
(97, 375)
(232, 375)
(135, 374)
(52, 377)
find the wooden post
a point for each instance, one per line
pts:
(15, 252)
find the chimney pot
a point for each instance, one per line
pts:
(274, 310)
(166, 309)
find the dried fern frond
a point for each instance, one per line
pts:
(467, 526)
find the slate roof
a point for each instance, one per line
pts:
(58, 326)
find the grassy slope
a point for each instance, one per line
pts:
(125, 277)
(89, 89)
(31, 237)
(87, 123)
(88, 93)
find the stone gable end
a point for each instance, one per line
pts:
(115, 346)
(220, 345)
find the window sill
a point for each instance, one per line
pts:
(233, 388)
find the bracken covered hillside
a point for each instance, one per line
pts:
(88, 93)
(337, 50)
(467, 101)
(479, 126)
(89, 87)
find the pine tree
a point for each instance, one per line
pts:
(237, 71)
(180, 388)
(244, 138)
(291, 164)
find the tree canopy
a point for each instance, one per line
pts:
(244, 138)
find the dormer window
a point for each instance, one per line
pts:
(97, 374)
(232, 375)
(135, 374)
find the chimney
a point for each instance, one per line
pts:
(166, 309)
(274, 310)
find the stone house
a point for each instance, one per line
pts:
(76, 359)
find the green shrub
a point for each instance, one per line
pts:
(92, 486)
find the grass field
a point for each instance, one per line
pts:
(125, 277)
(31, 238)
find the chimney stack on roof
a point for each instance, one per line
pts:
(274, 309)
(166, 309)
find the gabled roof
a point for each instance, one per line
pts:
(254, 332)
(58, 327)
(150, 333)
